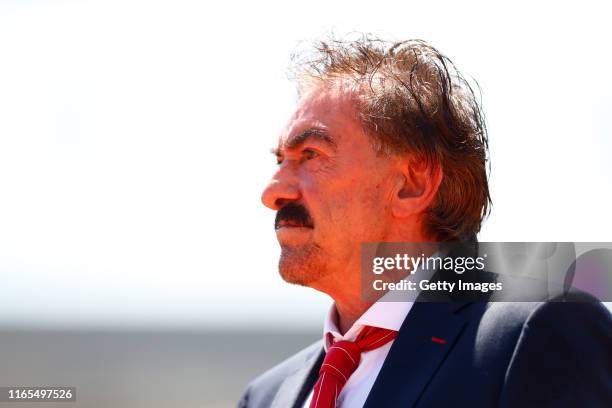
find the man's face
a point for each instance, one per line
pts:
(331, 190)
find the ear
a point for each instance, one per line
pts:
(417, 185)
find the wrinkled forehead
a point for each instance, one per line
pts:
(330, 109)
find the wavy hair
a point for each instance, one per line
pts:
(412, 99)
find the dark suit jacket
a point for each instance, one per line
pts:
(547, 354)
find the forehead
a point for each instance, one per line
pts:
(332, 110)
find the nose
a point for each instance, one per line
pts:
(282, 188)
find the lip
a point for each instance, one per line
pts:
(292, 225)
(293, 235)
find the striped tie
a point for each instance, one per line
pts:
(342, 360)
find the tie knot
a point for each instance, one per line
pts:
(341, 360)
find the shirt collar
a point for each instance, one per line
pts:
(386, 313)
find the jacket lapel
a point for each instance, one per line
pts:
(295, 388)
(426, 336)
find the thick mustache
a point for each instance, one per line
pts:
(294, 213)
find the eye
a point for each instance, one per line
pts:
(309, 154)
(279, 159)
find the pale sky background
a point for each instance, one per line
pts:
(134, 140)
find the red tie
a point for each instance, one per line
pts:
(342, 360)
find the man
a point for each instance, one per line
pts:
(388, 144)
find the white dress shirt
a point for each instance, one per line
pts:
(389, 312)
(384, 314)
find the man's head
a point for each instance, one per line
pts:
(387, 144)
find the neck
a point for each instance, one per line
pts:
(345, 290)
(348, 313)
(345, 287)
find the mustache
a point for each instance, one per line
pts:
(294, 213)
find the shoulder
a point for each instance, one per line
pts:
(584, 311)
(261, 391)
(562, 354)
(576, 314)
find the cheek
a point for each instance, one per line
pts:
(358, 209)
(347, 204)
(373, 204)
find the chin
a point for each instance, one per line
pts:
(301, 265)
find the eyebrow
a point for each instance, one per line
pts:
(294, 141)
